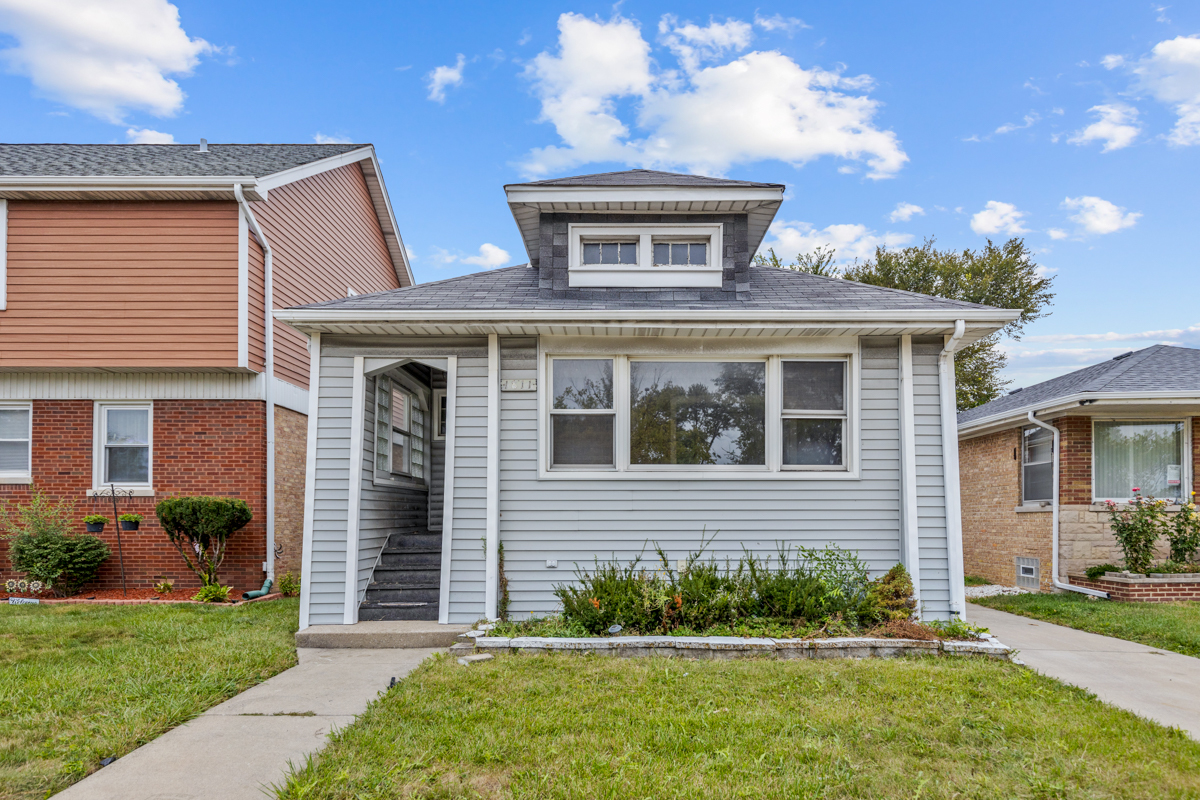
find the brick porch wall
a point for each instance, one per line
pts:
(210, 447)
(291, 447)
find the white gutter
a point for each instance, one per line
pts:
(981, 425)
(268, 373)
(950, 478)
(1054, 520)
(129, 183)
(317, 316)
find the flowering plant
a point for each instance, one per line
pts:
(1137, 528)
(1184, 533)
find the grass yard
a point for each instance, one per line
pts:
(1171, 626)
(78, 683)
(563, 726)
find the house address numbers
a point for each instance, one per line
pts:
(518, 385)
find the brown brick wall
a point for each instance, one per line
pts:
(212, 447)
(1075, 460)
(1142, 592)
(291, 445)
(994, 534)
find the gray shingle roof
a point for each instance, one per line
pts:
(647, 177)
(516, 288)
(160, 160)
(1160, 368)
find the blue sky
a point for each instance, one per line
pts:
(1074, 125)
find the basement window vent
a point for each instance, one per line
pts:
(1028, 572)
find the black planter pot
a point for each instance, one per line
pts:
(95, 527)
(126, 525)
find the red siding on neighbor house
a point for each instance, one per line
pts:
(325, 238)
(214, 447)
(130, 284)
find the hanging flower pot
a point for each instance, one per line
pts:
(130, 522)
(95, 523)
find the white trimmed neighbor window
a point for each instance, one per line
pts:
(124, 445)
(399, 430)
(16, 443)
(439, 414)
(1037, 465)
(721, 414)
(644, 256)
(1147, 456)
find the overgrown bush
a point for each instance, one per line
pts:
(200, 528)
(41, 545)
(1136, 529)
(809, 587)
(1183, 532)
(891, 596)
(289, 585)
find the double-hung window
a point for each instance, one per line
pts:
(399, 430)
(1037, 465)
(1146, 456)
(737, 414)
(124, 444)
(15, 443)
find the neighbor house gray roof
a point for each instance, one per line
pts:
(1160, 368)
(516, 288)
(646, 177)
(160, 160)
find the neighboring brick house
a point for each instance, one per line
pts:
(135, 329)
(1125, 424)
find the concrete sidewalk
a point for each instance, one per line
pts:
(1157, 684)
(238, 748)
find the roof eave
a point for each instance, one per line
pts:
(1058, 405)
(35, 187)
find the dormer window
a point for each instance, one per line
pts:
(645, 256)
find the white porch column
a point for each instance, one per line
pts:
(448, 489)
(357, 421)
(492, 530)
(910, 549)
(310, 474)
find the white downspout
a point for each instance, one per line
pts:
(491, 582)
(1054, 520)
(950, 478)
(268, 373)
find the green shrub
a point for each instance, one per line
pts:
(130, 518)
(1096, 572)
(212, 593)
(95, 519)
(891, 597)
(1184, 534)
(289, 585)
(200, 528)
(1136, 529)
(42, 546)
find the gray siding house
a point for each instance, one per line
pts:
(639, 381)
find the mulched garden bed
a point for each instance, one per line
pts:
(134, 597)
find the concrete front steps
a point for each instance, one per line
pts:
(407, 581)
(382, 634)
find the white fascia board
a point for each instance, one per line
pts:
(548, 195)
(111, 183)
(1061, 404)
(4, 255)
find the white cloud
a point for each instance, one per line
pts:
(903, 212)
(147, 136)
(997, 217)
(1172, 334)
(490, 256)
(1171, 73)
(759, 106)
(106, 58)
(1057, 233)
(778, 22)
(693, 45)
(321, 138)
(1099, 216)
(851, 241)
(1110, 62)
(444, 77)
(1117, 127)
(1030, 118)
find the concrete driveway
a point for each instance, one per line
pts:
(1157, 684)
(235, 750)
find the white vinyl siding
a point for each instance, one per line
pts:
(931, 488)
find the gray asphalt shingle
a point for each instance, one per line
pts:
(647, 177)
(160, 160)
(1160, 368)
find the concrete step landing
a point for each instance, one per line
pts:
(379, 634)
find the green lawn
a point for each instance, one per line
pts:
(1171, 626)
(78, 683)
(564, 726)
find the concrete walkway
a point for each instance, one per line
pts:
(1157, 684)
(238, 748)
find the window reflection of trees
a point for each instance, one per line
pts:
(698, 413)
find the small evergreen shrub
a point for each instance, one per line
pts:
(42, 546)
(200, 528)
(289, 585)
(891, 596)
(212, 593)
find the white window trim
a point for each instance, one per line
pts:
(98, 413)
(1045, 502)
(774, 421)
(1185, 476)
(26, 477)
(783, 413)
(419, 393)
(435, 412)
(643, 274)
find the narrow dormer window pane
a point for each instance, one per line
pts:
(591, 253)
(628, 253)
(679, 255)
(699, 254)
(662, 254)
(608, 253)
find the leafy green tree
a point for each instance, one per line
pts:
(42, 546)
(200, 528)
(1004, 276)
